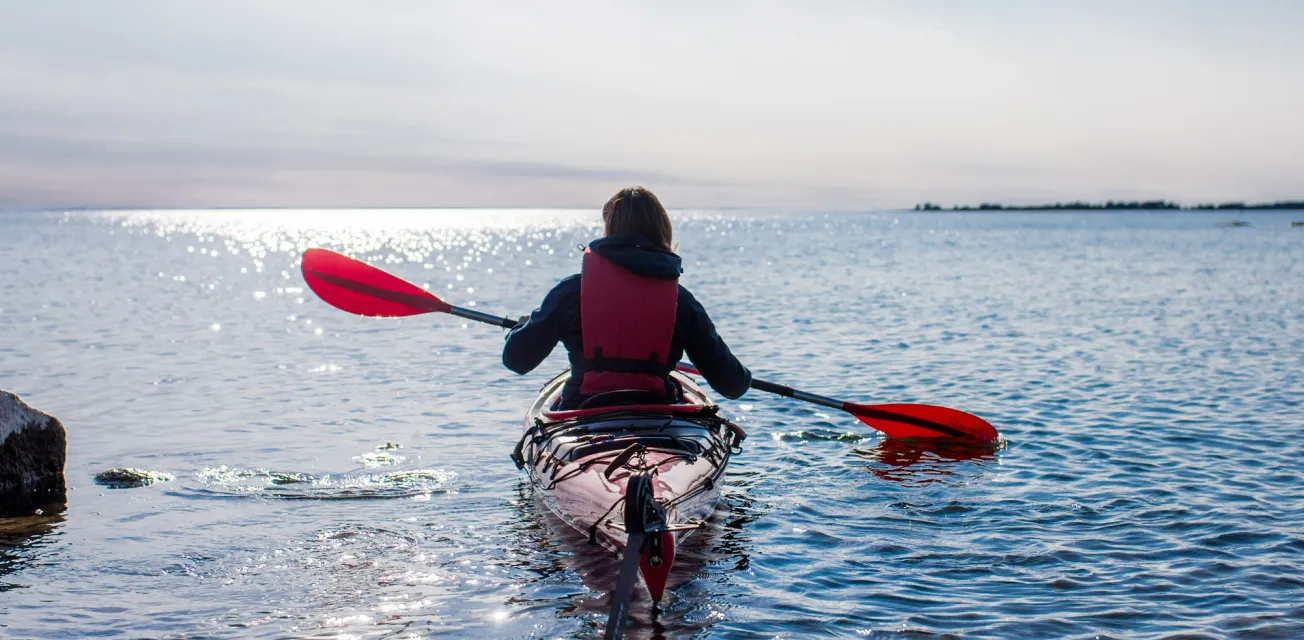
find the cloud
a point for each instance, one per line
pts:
(838, 104)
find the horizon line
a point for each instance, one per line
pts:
(1227, 205)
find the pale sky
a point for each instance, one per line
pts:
(821, 104)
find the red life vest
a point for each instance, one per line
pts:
(627, 322)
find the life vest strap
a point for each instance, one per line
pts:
(650, 367)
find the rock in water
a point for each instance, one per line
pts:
(33, 448)
(129, 478)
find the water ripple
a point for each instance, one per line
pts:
(1144, 369)
(234, 481)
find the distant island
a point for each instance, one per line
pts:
(1119, 205)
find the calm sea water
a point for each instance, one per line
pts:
(1147, 371)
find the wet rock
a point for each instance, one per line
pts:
(33, 449)
(290, 478)
(129, 478)
(382, 457)
(379, 459)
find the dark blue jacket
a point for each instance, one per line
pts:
(558, 320)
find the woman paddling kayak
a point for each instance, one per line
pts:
(625, 321)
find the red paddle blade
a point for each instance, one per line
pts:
(357, 287)
(923, 421)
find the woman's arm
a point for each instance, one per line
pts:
(530, 343)
(709, 353)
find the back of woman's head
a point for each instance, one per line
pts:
(636, 210)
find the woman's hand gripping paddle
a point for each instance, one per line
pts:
(357, 287)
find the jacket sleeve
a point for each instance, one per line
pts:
(530, 343)
(709, 352)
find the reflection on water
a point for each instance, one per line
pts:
(22, 539)
(921, 463)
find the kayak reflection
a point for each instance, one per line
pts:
(925, 462)
(721, 546)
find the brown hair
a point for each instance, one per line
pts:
(636, 210)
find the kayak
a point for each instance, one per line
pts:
(632, 475)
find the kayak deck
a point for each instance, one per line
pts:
(686, 447)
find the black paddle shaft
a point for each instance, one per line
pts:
(789, 392)
(771, 387)
(469, 314)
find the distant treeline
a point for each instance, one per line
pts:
(1119, 205)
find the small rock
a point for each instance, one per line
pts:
(33, 449)
(290, 478)
(389, 446)
(131, 478)
(379, 459)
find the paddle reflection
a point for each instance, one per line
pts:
(919, 463)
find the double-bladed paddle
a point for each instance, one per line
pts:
(357, 287)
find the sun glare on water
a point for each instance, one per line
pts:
(397, 235)
(245, 224)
